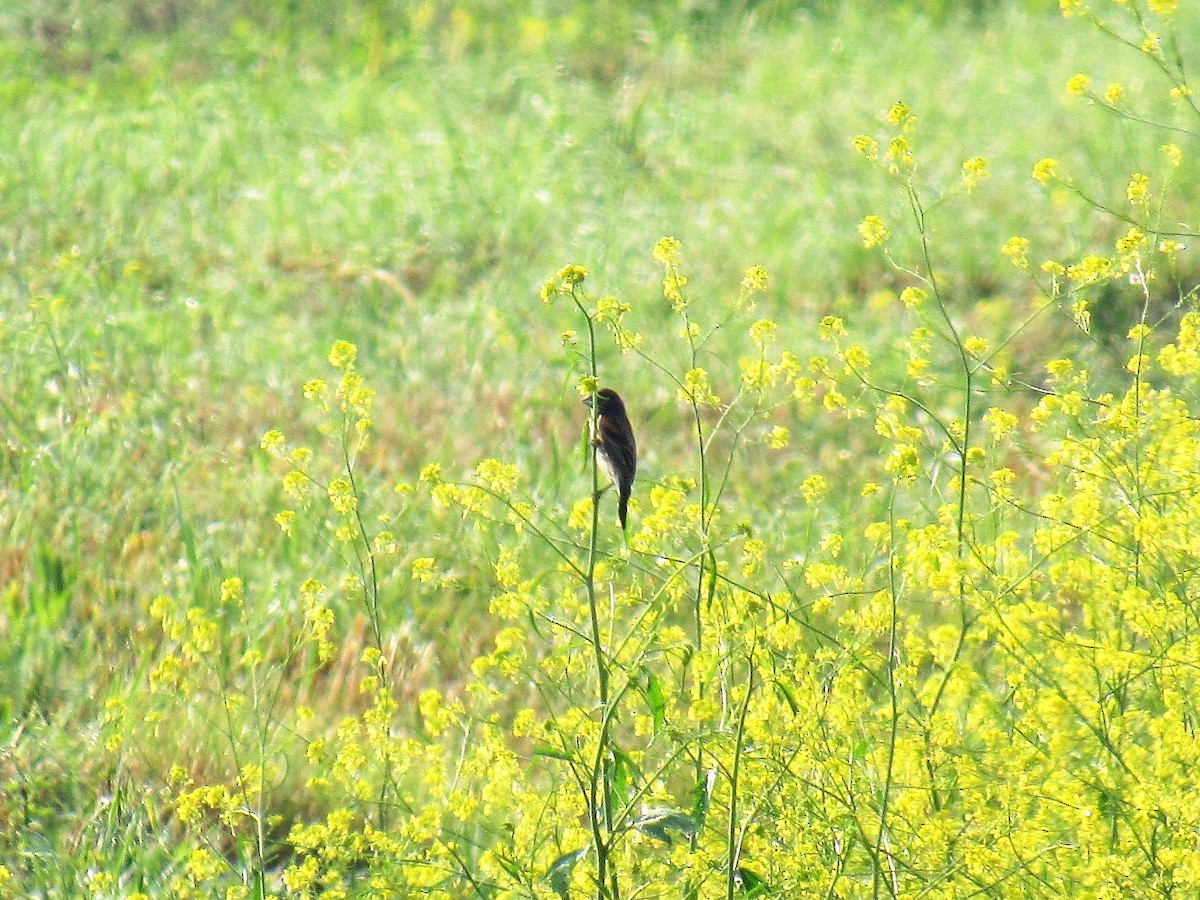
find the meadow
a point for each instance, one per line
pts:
(307, 588)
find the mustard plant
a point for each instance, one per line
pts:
(981, 681)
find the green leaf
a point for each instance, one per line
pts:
(752, 884)
(702, 797)
(508, 865)
(559, 873)
(788, 697)
(553, 753)
(624, 772)
(658, 823)
(619, 785)
(655, 699)
(534, 624)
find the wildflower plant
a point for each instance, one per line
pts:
(980, 680)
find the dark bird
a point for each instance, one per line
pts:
(616, 450)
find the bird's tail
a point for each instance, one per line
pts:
(623, 506)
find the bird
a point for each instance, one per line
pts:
(616, 449)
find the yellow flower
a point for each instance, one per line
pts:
(1138, 364)
(587, 386)
(295, 484)
(763, 331)
(1078, 83)
(300, 877)
(231, 590)
(874, 232)
(1139, 332)
(867, 146)
(912, 297)
(899, 114)
(903, 461)
(755, 279)
(1072, 8)
(1113, 93)
(1017, 249)
(1059, 369)
(312, 587)
(1163, 7)
(423, 569)
(1000, 423)
(318, 619)
(1138, 189)
(976, 346)
(673, 284)
(342, 354)
(696, 388)
(1091, 268)
(342, 496)
(572, 275)
(580, 517)
(832, 544)
(272, 440)
(974, 170)
(161, 607)
(498, 477)
(832, 327)
(857, 358)
(666, 251)
(900, 151)
(1132, 240)
(833, 400)
(1045, 169)
(1173, 153)
(813, 488)
(610, 309)
(100, 883)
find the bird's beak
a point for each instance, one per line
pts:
(587, 401)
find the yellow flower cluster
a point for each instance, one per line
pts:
(873, 231)
(1045, 171)
(974, 170)
(1017, 250)
(564, 282)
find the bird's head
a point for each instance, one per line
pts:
(607, 402)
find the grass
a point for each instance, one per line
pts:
(187, 232)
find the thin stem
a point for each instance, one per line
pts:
(369, 574)
(892, 662)
(598, 806)
(732, 836)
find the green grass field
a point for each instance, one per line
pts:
(907, 607)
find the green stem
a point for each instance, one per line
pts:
(599, 802)
(895, 713)
(732, 835)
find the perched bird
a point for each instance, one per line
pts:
(616, 450)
